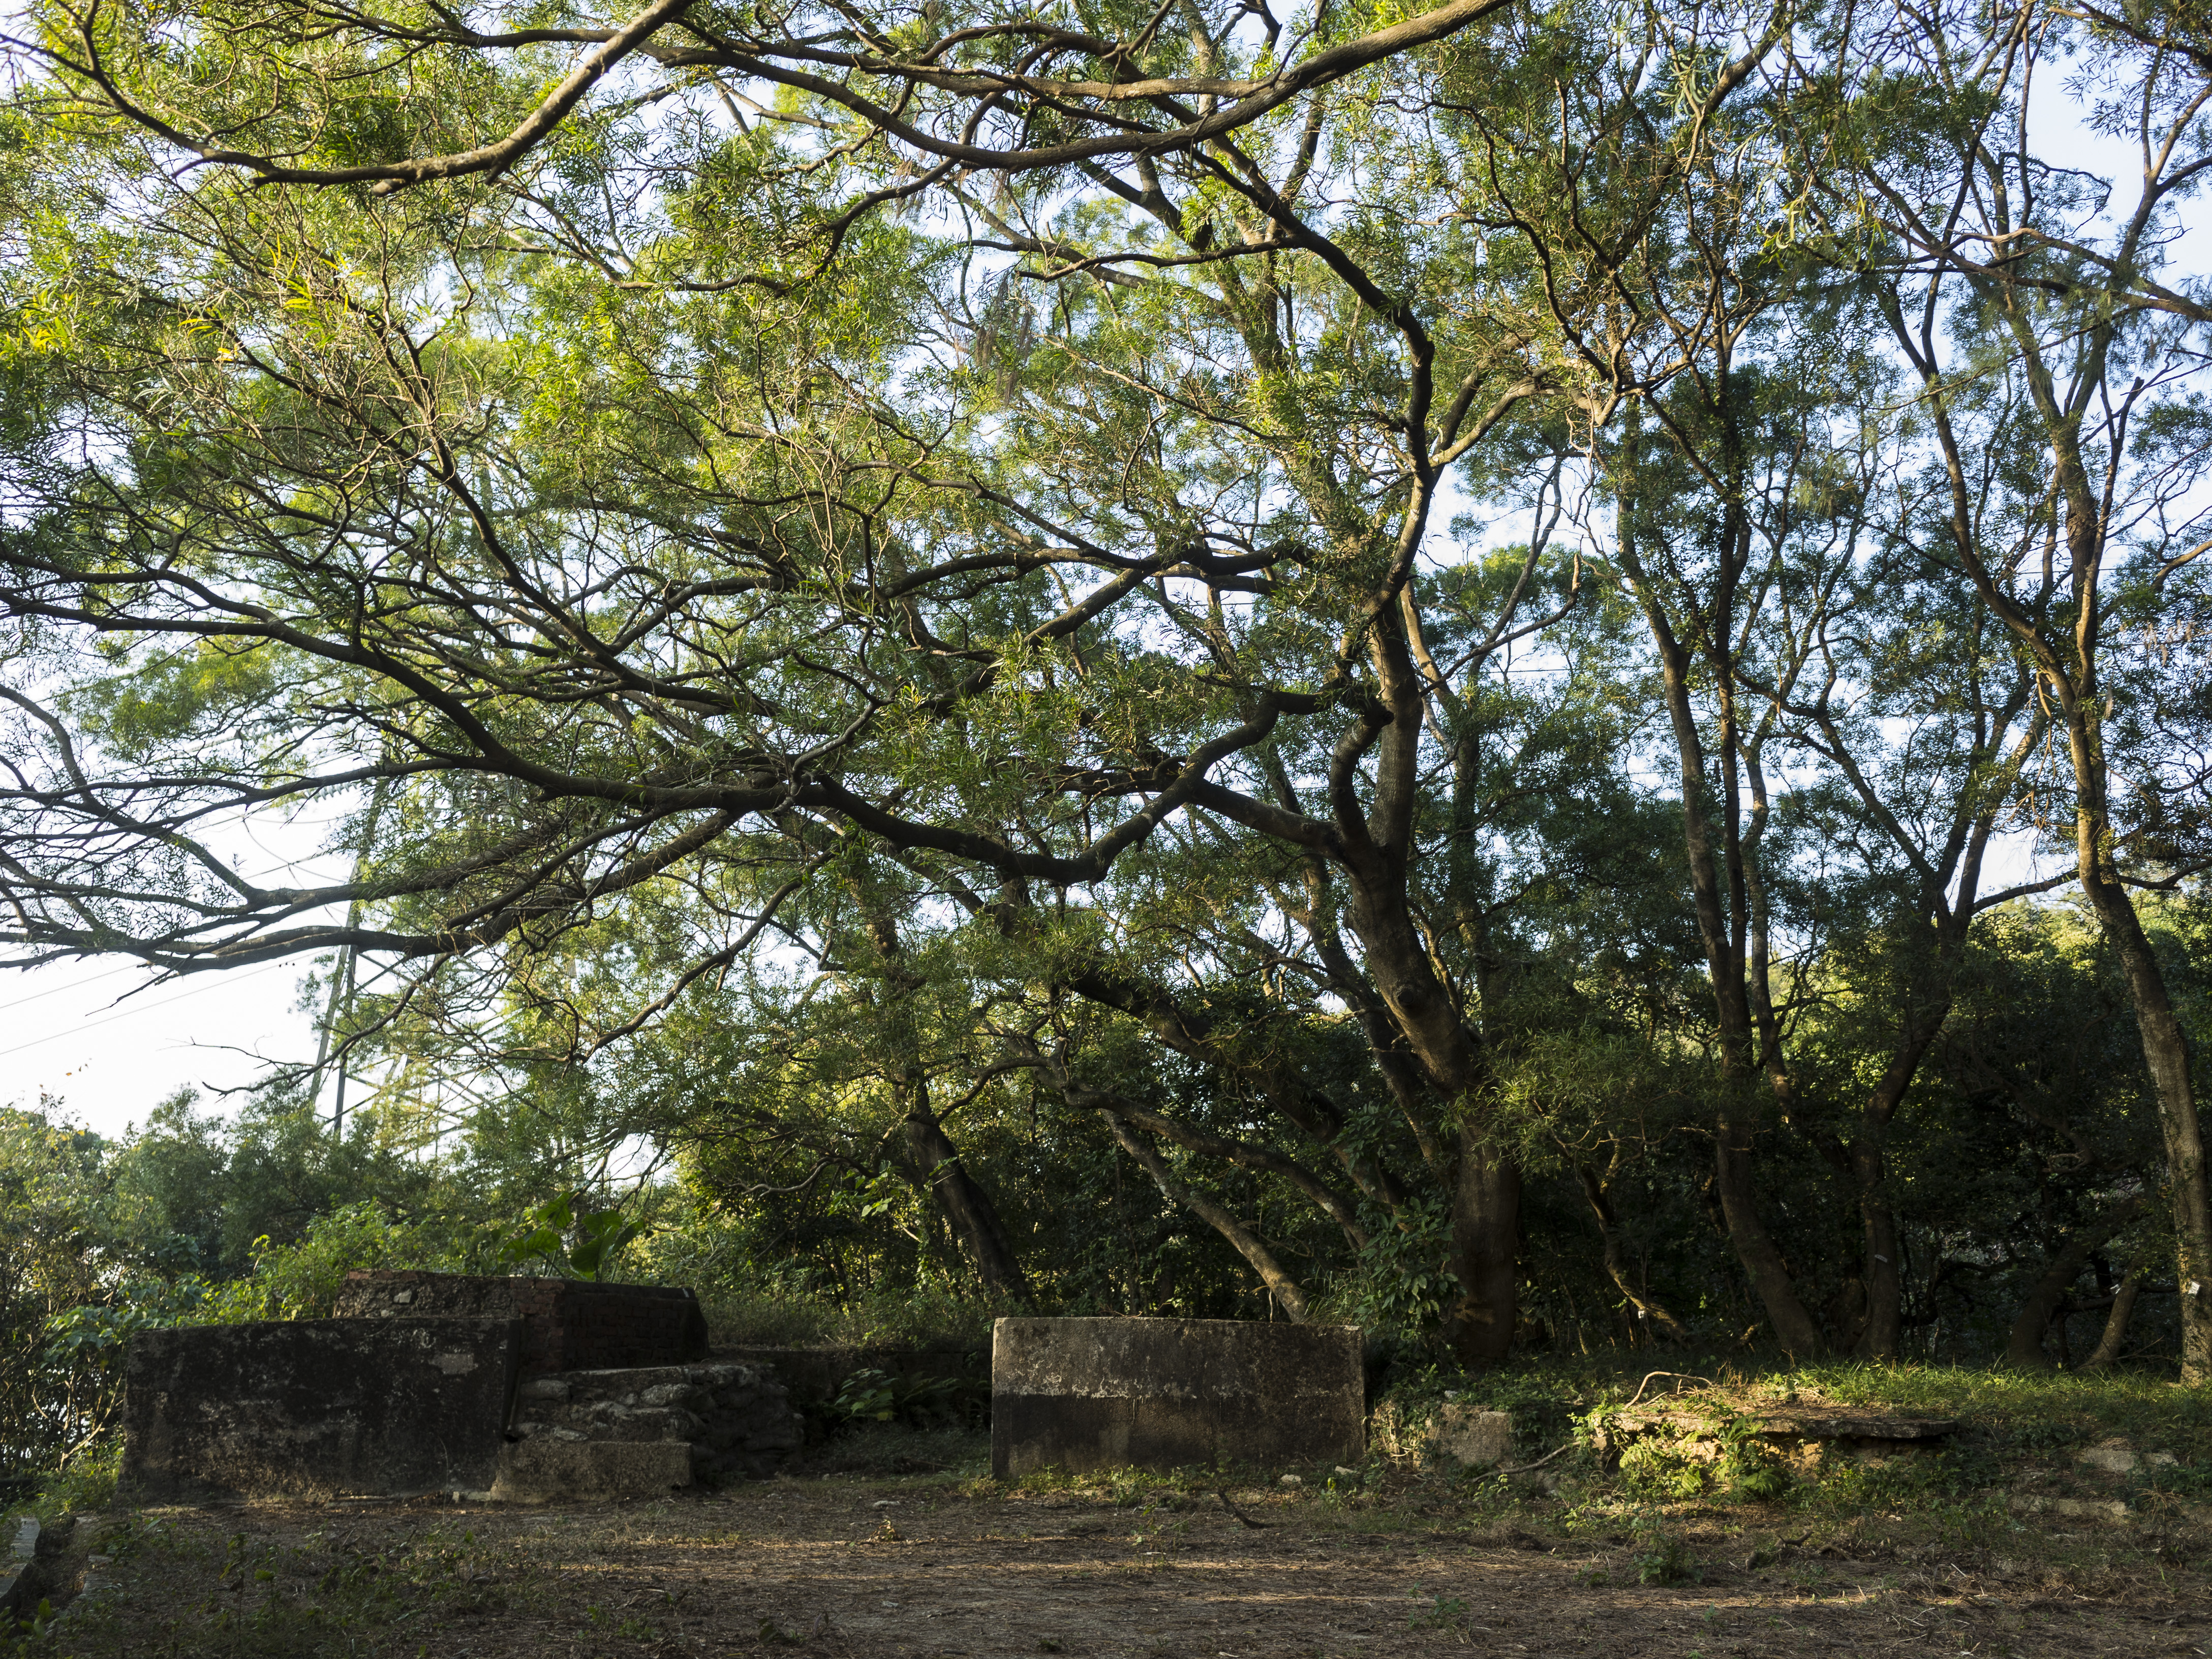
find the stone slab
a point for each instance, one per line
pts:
(1164, 1393)
(558, 1471)
(20, 1582)
(317, 1408)
(1455, 1431)
(568, 1324)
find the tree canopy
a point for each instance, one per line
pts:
(1422, 636)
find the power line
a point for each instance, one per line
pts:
(73, 985)
(145, 1008)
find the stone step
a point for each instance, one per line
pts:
(734, 1421)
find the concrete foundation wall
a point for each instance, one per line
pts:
(318, 1407)
(567, 1325)
(1162, 1393)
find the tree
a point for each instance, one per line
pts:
(575, 491)
(836, 577)
(1941, 187)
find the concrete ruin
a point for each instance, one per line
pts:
(535, 1391)
(568, 1324)
(1449, 1433)
(317, 1407)
(1165, 1393)
(584, 1433)
(546, 1390)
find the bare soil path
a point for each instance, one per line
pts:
(939, 1567)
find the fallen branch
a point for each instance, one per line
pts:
(1685, 1376)
(1256, 1525)
(1524, 1468)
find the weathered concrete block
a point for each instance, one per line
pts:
(316, 1407)
(1472, 1435)
(548, 1470)
(1465, 1434)
(20, 1583)
(1160, 1394)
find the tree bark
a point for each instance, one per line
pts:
(1285, 1289)
(2024, 1346)
(2066, 654)
(2107, 1351)
(1882, 1272)
(2166, 1051)
(967, 1206)
(1453, 1061)
(1736, 1129)
(1649, 1314)
(1485, 1248)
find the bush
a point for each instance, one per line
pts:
(302, 1279)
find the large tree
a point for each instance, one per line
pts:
(640, 503)
(839, 565)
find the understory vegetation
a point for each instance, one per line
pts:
(2002, 1519)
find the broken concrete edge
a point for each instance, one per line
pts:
(43, 1570)
(80, 1574)
(19, 1573)
(2118, 1458)
(546, 1471)
(1838, 1425)
(1457, 1430)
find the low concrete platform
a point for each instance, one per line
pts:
(1164, 1394)
(317, 1408)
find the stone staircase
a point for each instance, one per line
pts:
(636, 1432)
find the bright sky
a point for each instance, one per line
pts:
(93, 1037)
(107, 1042)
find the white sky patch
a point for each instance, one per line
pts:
(106, 1040)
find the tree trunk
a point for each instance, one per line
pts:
(2166, 1051)
(1427, 1010)
(1285, 1289)
(1650, 1315)
(2024, 1347)
(2165, 1045)
(1486, 1250)
(968, 1207)
(1882, 1272)
(2107, 1351)
(1735, 1131)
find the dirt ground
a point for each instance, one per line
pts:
(926, 1566)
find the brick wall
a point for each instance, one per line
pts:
(567, 1325)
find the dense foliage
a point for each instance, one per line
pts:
(1406, 668)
